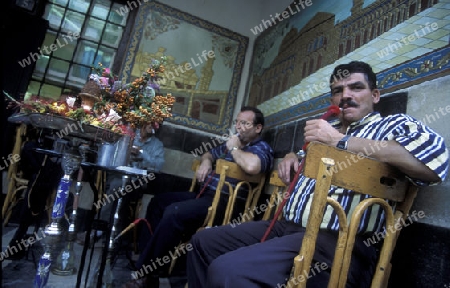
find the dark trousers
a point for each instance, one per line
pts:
(228, 256)
(173, 217)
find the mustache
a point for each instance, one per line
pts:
(348, 102)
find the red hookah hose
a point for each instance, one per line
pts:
(132, 225)
(333, 110)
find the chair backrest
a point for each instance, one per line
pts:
(332, 166)
(254, 184)
(12, 176)
(278, 189)
(194, 168)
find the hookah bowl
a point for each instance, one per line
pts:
(55, 230)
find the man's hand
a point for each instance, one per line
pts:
(233, 141)
(322, 131)
(284, 167)
(203, 170)
(135, 150)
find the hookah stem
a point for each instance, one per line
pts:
(332, 111)
(77, 193)
(288, 194)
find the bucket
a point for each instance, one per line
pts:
(122, 152)
(105, 154)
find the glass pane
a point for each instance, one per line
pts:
(101, 9)
(60, 2)
(53, 14)
(78, 76)
(50, 91)
(106, 56)
(57, 70)
(86, 53)
(112, 35)
(66, 46)
(94, 29)
(73, 22)
(79, 5)
(32, 90)
(119, 14)
(39, 69)
(50, 37)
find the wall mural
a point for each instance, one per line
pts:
(403, 40)
(203, 64)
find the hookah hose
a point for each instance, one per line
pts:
(333, 110)
(132, 225)
(135, 222)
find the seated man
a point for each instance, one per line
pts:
(176, 216)
(235, 257)
(147, 153)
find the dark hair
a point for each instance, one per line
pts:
(355, 67)
(259, 117)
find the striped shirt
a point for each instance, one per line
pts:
(421, 141)
(258, 147)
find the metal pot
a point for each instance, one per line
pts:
(105, 154)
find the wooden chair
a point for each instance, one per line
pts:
(278, 189)
(224, 169)
(367, 176)
(254, 184)
(16, 185)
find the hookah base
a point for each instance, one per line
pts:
(66, 272)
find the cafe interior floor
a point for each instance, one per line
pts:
(21, 272)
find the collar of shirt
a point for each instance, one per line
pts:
(366, 119)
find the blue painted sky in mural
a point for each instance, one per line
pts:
(268, 47)
(340, 8)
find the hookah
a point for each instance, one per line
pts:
(71, 161)
(65, 263)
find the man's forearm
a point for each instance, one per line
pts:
(394, 154)
(249, 162)
(207, 157)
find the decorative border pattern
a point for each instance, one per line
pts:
(412, 73)
(242, 42)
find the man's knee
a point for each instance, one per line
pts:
(217, 273)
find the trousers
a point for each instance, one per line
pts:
(173, 217)
(232, 256)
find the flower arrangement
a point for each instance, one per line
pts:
(117, 106)
(140, 102)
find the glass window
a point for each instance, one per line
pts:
(117, 15)
(112, 35)
(54, 15)
(101, 9)
(60, 2)
(82, 33)
(66, 47)
(73, 22)
(79, 5)
(93, 29)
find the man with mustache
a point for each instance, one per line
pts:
(176, 216)
(235, 257)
